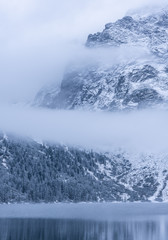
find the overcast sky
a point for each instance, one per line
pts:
(39, 37)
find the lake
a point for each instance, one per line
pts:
(84, 221)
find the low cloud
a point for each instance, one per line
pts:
(143, 131)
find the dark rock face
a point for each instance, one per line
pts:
(163, 21)
(67, 96)
(143, 97)
(141, 75)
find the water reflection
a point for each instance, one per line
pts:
(50, 229)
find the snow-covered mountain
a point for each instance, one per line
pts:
(45, 172)
(135, 82)
(31, 171)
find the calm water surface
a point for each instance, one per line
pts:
(84, 222)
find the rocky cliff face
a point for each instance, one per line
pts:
(150, 32)
(129, 84)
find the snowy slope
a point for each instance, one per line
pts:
(129, 83)
(31, 171)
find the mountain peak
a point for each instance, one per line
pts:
(129, 84)
(149, 30)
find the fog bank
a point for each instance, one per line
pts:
(142, 131)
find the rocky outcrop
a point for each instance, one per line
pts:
(128, 84)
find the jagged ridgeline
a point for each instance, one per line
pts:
(131, 83)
